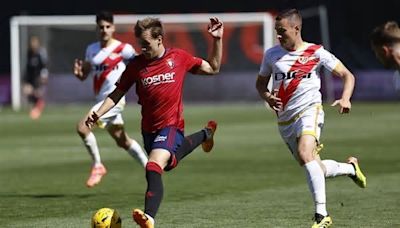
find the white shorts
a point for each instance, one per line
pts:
(112, 117)
(308, 122)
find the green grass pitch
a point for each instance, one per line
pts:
(248, 180)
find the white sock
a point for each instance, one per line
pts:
(316, 183)
(135, 150)
(334, 168)
(150, 218)
(91, 145)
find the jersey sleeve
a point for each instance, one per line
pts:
(266, 68)
(191, 62)
(127, 78)
(87, 54)
(44, 72)
(327, 59)
(43, 55)
(128, 52)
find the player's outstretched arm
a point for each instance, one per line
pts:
(81, 69)
(213, 63)
(108, 104)
(348, 87)
(270, 97)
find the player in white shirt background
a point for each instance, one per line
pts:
(294, 67)
(104, 61)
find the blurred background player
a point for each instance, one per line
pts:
(294, 66)
(158, 74)
(36, 77)
(385, 42)
(104, 61)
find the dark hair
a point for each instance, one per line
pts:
(105, 16)
(387, 33)
(292, 15)
(154, 24)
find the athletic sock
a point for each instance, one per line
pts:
(135, 150)
(91, 146)
(316, 183)
(150, 218)
(334, 168)
(40, 104)
(190, 143)
(155, 189)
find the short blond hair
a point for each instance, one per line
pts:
(153, 24)
(386, 34)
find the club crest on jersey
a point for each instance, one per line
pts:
(170, 63)
(113, 56)
(303, 59)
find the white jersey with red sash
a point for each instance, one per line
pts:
(296, 75)
(107, 65)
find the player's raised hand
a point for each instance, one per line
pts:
(216, 27)
(78, 68)
(345, 105)
(91, 120)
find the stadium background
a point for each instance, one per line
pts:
(349, 27)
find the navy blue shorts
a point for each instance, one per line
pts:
(168, 138)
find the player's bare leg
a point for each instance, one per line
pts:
(130, 145)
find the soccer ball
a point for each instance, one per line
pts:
(106, 218)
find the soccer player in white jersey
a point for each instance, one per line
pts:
(104, 61)
(294, 66)
(385, 42)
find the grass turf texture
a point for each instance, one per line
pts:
(248, 180)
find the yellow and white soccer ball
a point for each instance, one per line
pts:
(106, 218)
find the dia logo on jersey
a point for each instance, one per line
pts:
(291, 74)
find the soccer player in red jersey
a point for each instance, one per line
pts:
(158, 74)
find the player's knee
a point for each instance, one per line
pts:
(79, 129)
(82, 129)
(305, 157)
(152, 166)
